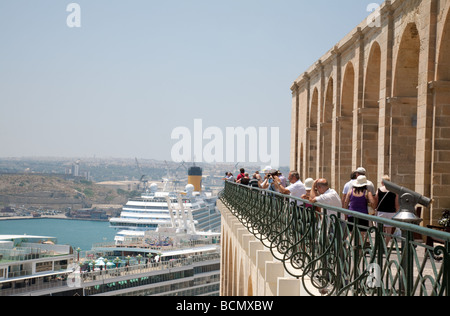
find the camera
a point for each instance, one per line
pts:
(273, 173)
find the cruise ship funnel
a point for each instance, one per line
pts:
(195, 177)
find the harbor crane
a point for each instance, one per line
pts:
(143, 178)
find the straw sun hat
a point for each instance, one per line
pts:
(360, 182)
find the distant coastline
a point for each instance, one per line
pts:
(17, 218)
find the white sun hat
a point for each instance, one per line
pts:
(360, 182)
(309, 183)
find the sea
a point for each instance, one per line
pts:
(82, 234)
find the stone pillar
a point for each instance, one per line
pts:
(295, 129)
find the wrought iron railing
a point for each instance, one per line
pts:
(335, 257)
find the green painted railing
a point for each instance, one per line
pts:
(334, 257)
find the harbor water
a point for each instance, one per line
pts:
(68, 232)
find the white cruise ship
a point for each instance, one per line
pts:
(151, 209)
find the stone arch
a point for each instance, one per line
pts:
(326, 132)
(407, 65)
(250, 286)
(404, 109)
(229, 280)
(348, 91)
(345, 127)
(370, 113)
(372, 82)
(441, 176)
(313, 113)
(241, 279)
(311, 170)
(223, 262)
(235, 273)
(327, 113)
(443, 70)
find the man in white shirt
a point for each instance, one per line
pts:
(323, 194)
(296, 187)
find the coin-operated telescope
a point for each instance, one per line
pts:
(408, 201)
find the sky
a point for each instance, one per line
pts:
(135, 71)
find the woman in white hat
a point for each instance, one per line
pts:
(308, 186)
(357, 200)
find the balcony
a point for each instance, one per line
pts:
(269, 242)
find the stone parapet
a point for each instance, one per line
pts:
(248, 267)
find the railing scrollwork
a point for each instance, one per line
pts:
(334, 257)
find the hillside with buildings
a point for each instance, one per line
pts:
(96, 183)
(51, 191)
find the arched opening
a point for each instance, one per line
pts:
(229, 267)
(327, 113)
(235, 275)
(241, 279)
(443, 71)
(348, 91)
(404, 109)
(441, 185)
(223, 259)
(345, 127)
(370, 114)
(311, 169)
(250, 286)
(326, 132)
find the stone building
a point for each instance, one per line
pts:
(380, 98)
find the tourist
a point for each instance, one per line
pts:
(230, 177)
(258, 176)
(357, 200)
(362, 172)
(282, 179)
(323, 194)
(268, 183)
(241, 174)
(296, 187)
(308, 187)
(387, 206)
(254, 182)
(353, 176)
(245, 180)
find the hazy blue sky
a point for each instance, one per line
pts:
(135, 70)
